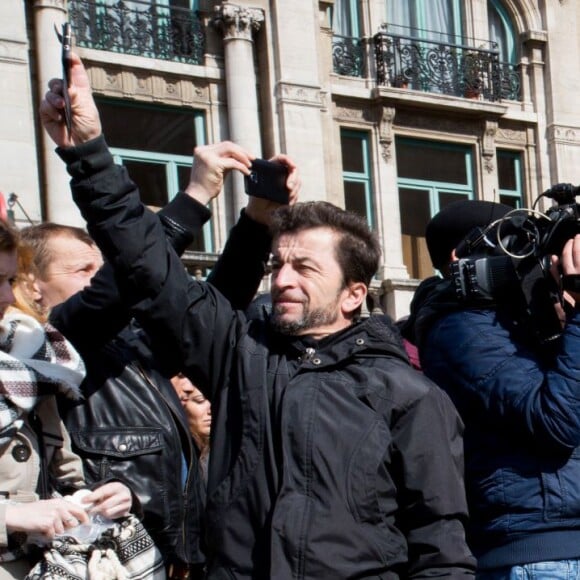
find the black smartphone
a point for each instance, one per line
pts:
(267, 179)
(66, 42)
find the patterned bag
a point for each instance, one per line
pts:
(123, 552)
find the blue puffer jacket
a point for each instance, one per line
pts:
(521, 409)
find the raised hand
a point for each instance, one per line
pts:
(211, 163)
(260, 209)
(86, 123)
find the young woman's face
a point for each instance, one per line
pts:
(196, 406)
(8, 268)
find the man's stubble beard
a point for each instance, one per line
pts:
(310, 319)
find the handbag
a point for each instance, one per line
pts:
(124, 551)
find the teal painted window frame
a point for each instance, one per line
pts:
(518, 192)
(508, 28)
(434, 188)
(365, 177)
(171, 162)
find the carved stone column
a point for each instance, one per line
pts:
(59, 204)
(238, 23)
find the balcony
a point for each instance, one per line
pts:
(348, 56)
(461, 70)
(151, 29)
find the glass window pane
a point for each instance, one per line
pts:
(144, 128)
(352, 154)
(447, 198)
(151, 180)
(355, 199)
(429, 163)
(415, 213)
(506, 168)
(510, 200)
(183, 176)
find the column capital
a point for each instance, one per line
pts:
(58, 4)
(237, 22)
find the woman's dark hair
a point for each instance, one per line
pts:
(358, 251)
(9, 237)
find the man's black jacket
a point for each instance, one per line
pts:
(131, 424)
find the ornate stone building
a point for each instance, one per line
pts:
(392, 108)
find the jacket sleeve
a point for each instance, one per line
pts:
(190, 324)
(99, 306)
(492, 376)
(428, 444)
(242, 264)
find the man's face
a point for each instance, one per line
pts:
(308, 291)
(73, 265)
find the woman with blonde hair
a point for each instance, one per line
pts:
(37, 466)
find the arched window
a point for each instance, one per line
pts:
(501, 31)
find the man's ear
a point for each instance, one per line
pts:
(33, 288)
(356, 293)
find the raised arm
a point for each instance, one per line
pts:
(187, 319)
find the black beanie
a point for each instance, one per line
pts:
(452, 224)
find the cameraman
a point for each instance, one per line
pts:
(520, 402)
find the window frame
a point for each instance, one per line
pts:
(171, 162)
(517, 193)
(366, 177)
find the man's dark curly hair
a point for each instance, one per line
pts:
(358, 251)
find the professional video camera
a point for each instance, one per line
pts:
(509, 260)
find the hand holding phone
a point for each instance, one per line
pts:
(66, 41)
(267, 180)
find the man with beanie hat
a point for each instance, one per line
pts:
(520, 404)
(454, 222)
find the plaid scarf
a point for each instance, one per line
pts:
(35, 361)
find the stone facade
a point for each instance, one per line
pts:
(267, 81)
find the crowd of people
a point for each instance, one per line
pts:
(330, 455)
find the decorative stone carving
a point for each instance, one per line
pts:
(386, 132)
(512, 135)
(563, 134)
(111, 81)
(299, 94)
(440, 125)
(237, 22)
(488, 145)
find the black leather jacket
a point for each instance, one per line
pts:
(131, 424)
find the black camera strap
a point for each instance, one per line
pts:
(541, 294)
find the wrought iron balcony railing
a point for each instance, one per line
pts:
(443, 67)
(348, 56)
(152, 29)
